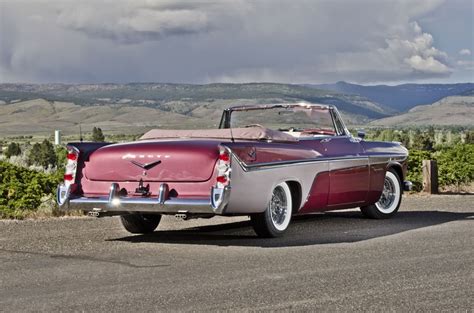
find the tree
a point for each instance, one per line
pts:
(12, 149)
(422, 141)
(34, 154)
(469, 138)
(97, 135)
(43, 154)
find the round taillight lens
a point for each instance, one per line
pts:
(222, 179)
(72, 156)
(224, 157)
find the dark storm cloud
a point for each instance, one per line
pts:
(211, 41)
(138, 21)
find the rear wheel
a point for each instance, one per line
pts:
(389, 201)
(276, 218)
(140, 223)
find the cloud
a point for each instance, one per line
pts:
(301, 41)
(410, 56)
(464, 52)
(466, 64)
(427, 65)
(138, 21)
(420, 54)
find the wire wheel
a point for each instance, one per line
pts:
(279, 209)
(277, 216)
(391, 193)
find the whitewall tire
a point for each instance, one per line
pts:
(277, 216)
(390, 199)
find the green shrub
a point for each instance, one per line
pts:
(455, 165)
(21, 189)
(415, 167)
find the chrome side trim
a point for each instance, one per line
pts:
(252, 189)
(380, 158)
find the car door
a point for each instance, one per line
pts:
(348, 170)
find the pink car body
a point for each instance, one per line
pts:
(233, 174)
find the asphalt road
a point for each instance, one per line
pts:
(421, 260)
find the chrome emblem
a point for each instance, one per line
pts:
(146, 166)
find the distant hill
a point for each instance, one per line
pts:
(468, 93)
(157, 95)
(401, 98)
(453, 110)
(30, 109)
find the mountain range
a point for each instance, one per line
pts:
(452, 110)
(27, 109)
(400, 98)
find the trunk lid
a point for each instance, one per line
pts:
(154, 161)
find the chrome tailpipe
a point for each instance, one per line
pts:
(94, 213)
(182, 216)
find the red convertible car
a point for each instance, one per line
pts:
(269, 162)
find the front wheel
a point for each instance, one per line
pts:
(140, 223)
(276, 218)
(389, 201)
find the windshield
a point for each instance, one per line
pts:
(297, 121)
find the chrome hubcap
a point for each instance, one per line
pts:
(388, 194)
(278, 206)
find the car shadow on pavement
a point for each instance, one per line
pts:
(329, 228)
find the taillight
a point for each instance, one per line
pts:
(72, 156)
(224, 156)
(223, 168)
(221, 179)
(71, 166)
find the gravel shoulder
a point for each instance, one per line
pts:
(423, 259)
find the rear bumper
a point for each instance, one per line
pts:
(215, 204)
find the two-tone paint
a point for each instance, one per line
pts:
(325, 173)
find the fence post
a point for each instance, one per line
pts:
(430, 176)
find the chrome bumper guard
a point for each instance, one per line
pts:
(216, 204)
(407, 185)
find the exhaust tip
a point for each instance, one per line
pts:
(94, 213)
(181, 216)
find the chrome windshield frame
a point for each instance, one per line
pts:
(227, 114)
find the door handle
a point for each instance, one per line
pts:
(326, 140)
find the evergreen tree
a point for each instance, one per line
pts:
(469, 137)
(422, 141)
(34, 154)
(48, 154)
(97, 135)
(43, 154)
(12, 149)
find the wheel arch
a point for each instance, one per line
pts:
(397, 167)
(296, 195)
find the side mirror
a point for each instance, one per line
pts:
(361, 133)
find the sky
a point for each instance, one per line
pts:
(284, 41)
